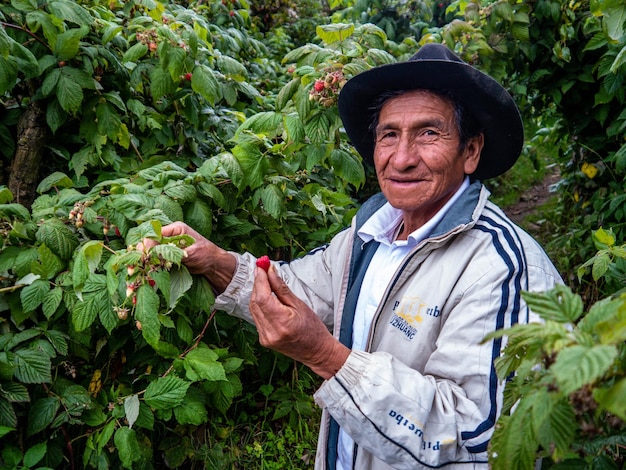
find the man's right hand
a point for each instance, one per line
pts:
(202, 257)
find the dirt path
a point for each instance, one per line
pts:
(534, 197)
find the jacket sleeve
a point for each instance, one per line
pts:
(312, 278)
(442, 414)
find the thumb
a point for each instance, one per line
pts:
(280, 289)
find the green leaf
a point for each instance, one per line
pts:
(8, 74)
(615, 19)
(192, 411)
(127, 446)
(70, 11)
(612, 398)
(85, 311)
(513, 444)
(317, 128)
(332, 33)
(286, 93)
(131, 409)
(146, 312)
(267, 123)
(202, 364)
(180, 192)
(69, 94)
(203, 81)
(15, 393)
(58, 237)
(252, 162)
(8, 417)
(558, 304)
(109, 120)
(32, 367)
(135, 52)
(579, 365)
(33, 295)
(161, 83)
(17, 210)
(34, 454)
(180, 282)
(56, 179)
(273, 200)
(347, 166)
(67, 43)
(166, 392)
(41, 414)
(199, 216)
(26, 62)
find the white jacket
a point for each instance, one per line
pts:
(425, 393)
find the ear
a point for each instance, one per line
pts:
(472, 151)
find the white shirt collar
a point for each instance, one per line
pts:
(382, 225)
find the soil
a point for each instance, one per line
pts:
(533, 198)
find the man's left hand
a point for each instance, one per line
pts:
(287, 325)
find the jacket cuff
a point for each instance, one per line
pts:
(333, 391)
(227, 301)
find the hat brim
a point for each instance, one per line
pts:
(484, 97)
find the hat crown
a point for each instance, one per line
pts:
(433, 51)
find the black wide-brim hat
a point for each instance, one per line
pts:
(434, 67)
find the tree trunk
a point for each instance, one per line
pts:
(32, 132)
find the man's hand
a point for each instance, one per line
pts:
(287, 325)
(202, 257)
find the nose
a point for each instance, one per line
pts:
(406, 153)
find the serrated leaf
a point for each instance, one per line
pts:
(513, 444)
(69, 94)
(41, 414)
(26, 62)
(56, 179)
(612, 398)
(8, 418)
(579, 365)
(127, 446)
(203, 81)
(58, 237)
(202, 364)
(267, 122)
(146, 312)
(252, 162)
(166, 392)
(198, 215)
(334, 32)
(347, 166)
(191, 411)
(180, 282)
(14, 392)
(131, 409)
(558, 304)
(32, 367)
(8, 73)
(317, 128)
(286, 93)
(273, 200)
(34, 454)
(71, 11)
(180, 191)
(17, 210)
(48, 264)
(161, 83)
(85, 311)
(33, 295)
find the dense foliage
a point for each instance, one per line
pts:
(120, 117)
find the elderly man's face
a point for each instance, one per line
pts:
(417, 157)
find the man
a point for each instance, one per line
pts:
(427, 270)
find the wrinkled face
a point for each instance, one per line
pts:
(417, 157)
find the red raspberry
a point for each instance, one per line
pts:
(263, 262)
(319, 85)
(188, 76)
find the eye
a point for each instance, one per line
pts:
(386, 136)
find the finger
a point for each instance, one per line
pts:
(282, 290)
